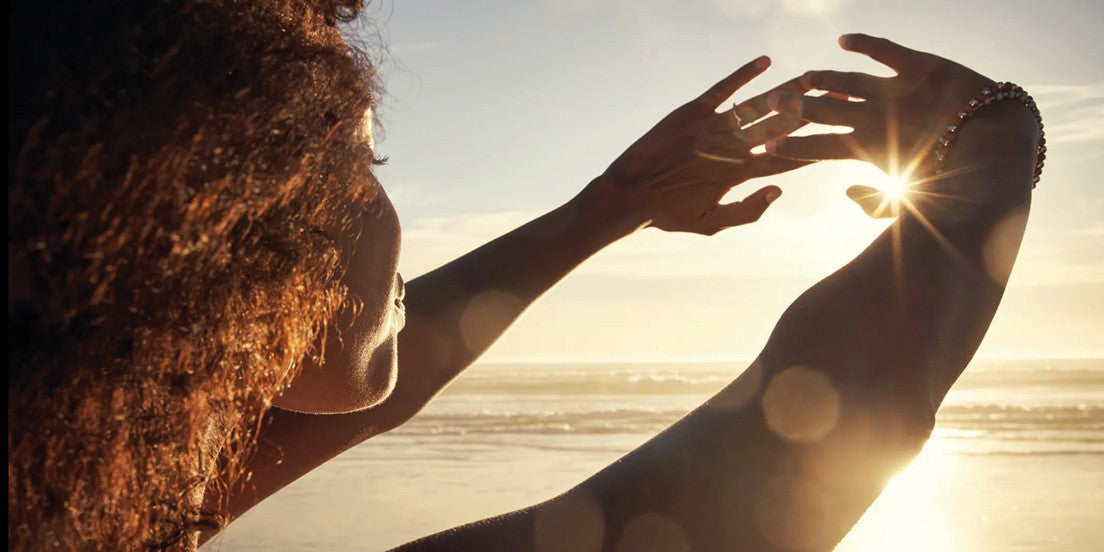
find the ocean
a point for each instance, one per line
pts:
(1016, 462)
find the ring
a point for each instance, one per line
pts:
(736, 117)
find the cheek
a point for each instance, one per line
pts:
(382, 371)
(377, 351)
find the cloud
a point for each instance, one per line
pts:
(430, 242)
(1072, 113)
(736, 9)
(755, 8)
(813, 7)
(784, 247)
(810, 244)
(743, 8)
(574, 5)
(1095, 230)
(1057, 257)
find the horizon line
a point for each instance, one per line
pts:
(691, 359)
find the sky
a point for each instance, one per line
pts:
(498, 111)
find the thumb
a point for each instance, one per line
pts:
(746, 211)
(872, 201)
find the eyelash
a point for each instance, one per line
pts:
(380, 161)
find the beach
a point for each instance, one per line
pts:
(1016, 462)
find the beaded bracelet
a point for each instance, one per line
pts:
(988, 95)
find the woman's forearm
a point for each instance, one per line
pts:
(456, 312)
(673, 178)
(791, 454)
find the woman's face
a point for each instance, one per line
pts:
(361, 363)
(374, 279)
(371, 357)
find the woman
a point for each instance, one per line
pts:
(196, 237)
(194, 219)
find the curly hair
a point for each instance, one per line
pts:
(176, 170)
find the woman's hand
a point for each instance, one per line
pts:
(900, 118)
(674, 177)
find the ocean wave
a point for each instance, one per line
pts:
(1021, 407)
(981, 421)
(597, 421)
(629, 385)
(991, 417)
(1025, 377)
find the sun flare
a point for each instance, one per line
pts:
(895, 188)
(880, 194)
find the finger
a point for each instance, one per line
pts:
(817, 109)
(728, 86)
(774, 127)
(737, 168)
(853, 84)
(753, 109)
(837, 95)
(881, 50)
(817, 147)
(750, 209)
(872, 201)
(740, 142)
(759, 166)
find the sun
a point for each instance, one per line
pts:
(894, 187)
(881, 195)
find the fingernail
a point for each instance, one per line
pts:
(773, 195)
(845, 40)
(763, 62)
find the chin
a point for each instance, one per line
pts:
(370, 385)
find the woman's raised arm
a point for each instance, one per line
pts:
(790, 455)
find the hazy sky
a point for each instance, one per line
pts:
(497, 111)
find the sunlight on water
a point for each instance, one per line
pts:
(1014, 463)
(906, 514)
